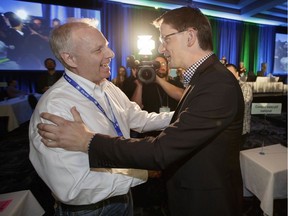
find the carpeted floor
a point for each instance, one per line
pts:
(17, 173)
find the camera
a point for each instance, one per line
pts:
(146, 70)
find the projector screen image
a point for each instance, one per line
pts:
(25, 29)
(280, 57)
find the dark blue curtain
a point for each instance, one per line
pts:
(227, 36)
(266, 47)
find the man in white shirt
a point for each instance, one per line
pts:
(84, 52)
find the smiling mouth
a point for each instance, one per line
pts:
(104, 65)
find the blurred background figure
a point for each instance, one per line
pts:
(248, 97)
(263, 70)
(242, 70)
(4, 26)
(121, 77)
(48, 79)
(13, 91)
(39, 38)
(16, 36)
(179, 75)
(55, 23)
(37, 28)
(6, 63)
(224, 61)
(21, 37)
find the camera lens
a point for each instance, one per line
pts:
(146, 75)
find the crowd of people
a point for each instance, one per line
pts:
(27, 42)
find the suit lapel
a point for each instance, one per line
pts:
(211, 60)
(179, 106)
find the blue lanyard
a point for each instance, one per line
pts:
(83, 92)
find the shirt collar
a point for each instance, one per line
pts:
(188, 74)
(85, 83)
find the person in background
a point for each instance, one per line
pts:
(120, 78)
(263, 70)
(242, 70)
(46, 80)
(179, 75)
(79, 190)
(37, 28)
(199, 151)
(152, 97)
(4, 26)
(248, 97)
(56, 23)
(13, 91)
(223, 60)
(6, 63)
(174, 88)
(16, 36)
(251, 77)
(39, 37)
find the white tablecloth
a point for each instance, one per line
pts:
(265, 175)
(265, 87)
(20, 203)
(18, 110)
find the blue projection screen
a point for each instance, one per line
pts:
(281, 57)
(25, 29)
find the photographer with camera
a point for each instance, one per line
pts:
(151, 87)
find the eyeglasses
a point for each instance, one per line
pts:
(163, 39)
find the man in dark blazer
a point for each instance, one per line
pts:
(199, 150)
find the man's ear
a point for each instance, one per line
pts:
(69, 59)
(192, 36)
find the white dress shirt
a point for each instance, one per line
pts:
(67, 173)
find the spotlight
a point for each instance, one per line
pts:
(145, 44)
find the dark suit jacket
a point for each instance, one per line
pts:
(199, 151)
